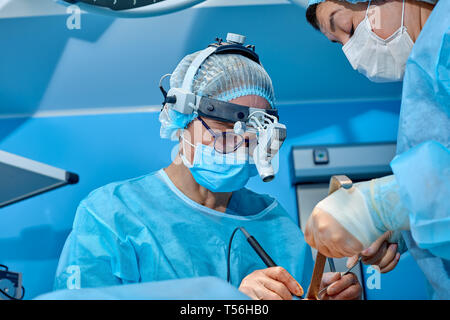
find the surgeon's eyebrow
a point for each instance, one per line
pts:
(332, 25)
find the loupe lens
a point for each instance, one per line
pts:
(228, 142)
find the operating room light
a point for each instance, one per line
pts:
(131, 8)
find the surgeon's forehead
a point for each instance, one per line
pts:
(253, 101)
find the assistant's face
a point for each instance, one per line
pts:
(339, 19)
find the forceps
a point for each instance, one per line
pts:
(342, 274)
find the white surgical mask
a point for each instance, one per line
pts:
(380, 60)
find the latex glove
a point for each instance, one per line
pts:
(329, 237)
(348, 221)
(270, 284)
(340, 287)
(381, 253)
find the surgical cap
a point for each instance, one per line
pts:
(311, 2)
(221, 76)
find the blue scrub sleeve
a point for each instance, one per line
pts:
(423, 176)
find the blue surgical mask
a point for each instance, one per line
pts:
(219, 172)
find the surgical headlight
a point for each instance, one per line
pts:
(263, 122)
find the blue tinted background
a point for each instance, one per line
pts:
(49, 75)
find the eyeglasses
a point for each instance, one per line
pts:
(228, 141)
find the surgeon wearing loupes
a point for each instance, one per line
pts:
(409, 41)
(184, 221)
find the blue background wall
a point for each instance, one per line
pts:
(71, 99)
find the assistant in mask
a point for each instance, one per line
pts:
(377, 37)
(380, 60)
(413, 201)
(177, 222)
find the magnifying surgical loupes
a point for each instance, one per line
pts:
(270, 136)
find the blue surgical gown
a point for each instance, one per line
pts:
(145, 229)
(422, 164)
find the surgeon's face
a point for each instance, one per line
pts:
(197, 133)
(339, 19)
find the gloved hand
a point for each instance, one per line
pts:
(277, 284)
(348, 221)
(381, 253)
(270, 284)
(340, 287)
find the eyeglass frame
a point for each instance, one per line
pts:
(224, 133)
